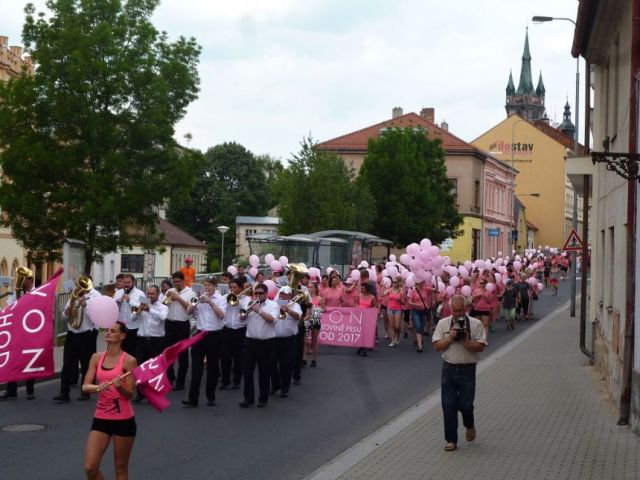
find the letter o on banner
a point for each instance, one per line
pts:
(8, 335)
(38, 314)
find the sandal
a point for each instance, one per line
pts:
(450, 447)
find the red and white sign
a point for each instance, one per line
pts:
(349, 327)
(26, 334)
(573, 243)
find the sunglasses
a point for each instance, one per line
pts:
(260, 292)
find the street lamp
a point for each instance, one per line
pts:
(222, 229)
(543, 19)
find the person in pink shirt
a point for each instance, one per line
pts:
(324, 284)
(395, 301)
(366, 300)
(419, 300)
(334, 295)
(481, 303)
(312, 324)
(114, 417)
(351, 293)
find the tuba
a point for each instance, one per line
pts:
(22, 273)
(76, 312)
(297, 271)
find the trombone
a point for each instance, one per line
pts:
(233, 299)
(245, 311)
(299, 297)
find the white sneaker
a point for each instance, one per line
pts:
(392, 344)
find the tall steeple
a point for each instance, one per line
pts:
(525, 85)
(511, 89)
(526, 101)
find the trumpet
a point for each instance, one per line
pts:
(299, 297)
(167, 299)
(233, 299)
(137, 309)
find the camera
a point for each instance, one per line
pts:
(460, 327)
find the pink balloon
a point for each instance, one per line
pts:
(464, 273)
(253, 271)
(425, 243)
(329, 270)
(413, 249)
(490, 287)
(450, 290)
(254, 261)
(272, 289)
(434, 251)
(275, 265)
(284, 260)
(441, 287)
(364, 263)
(466, 290)
(517, 266)
(386, 282)
(498, 277)
(268, 258)
(454, 281)
(468, 265)
(355, 274)
(232, 269)
(392, 257)
(410, 281)
(103, 311)
(405, 259)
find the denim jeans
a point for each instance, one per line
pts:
(458, 391)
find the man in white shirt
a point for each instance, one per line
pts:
(79, 344)
(284, 344)
(209, 317)
(127, 297)
(460, 338)
(261, 331)
(12, 387)
(233, 335)
(177, 326)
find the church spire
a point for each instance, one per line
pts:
(567, 127)
(525, 85)
(511, 89)
(540, 91)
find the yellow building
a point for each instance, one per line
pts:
(538, 152)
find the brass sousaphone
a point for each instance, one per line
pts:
(76, 312)
(22, 273)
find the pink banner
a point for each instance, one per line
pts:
(348, 327)
(151, 376)
(26, 334)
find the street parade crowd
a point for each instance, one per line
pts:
(269, 320)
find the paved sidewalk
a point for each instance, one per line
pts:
(540, 414)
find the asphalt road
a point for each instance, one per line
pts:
(341, 401)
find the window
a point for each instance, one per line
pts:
(250, 231)
(476, 195)
(454, 188)
(132, 263)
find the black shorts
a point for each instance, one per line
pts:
(120, 428)
(478, 313)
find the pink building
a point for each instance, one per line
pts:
(498, 217)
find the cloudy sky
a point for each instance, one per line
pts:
(273, 71)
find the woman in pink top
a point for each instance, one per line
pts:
(313, 324)
(334, 295)
(366, 300)
(114, 415)
(481, 301)
(351, 293)
(395, 300)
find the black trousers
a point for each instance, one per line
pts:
(283, 351)
(149, 347)
(78, 347)
(209, 348)
(231, 359)
(298, 353)
(129, 344)
(12, 387)
(256, 352)
(174, 332)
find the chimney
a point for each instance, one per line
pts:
(444, 126)
(396, 112)
(429, 114)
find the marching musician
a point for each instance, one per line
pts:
(177, 326)
(209, 317)
(165, 285)
(80, 342)
(12, 387)
(284, 344)
(150, 318)
(233, 334)
(261, 331)
(127, 297)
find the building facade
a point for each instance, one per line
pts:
(465, 165)
(246, 226)
(604, 37)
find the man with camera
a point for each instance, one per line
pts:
(460, 338)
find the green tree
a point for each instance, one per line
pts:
(87, 141)
(230, 181)
(405, 170)
(316, 192)
(272, 167)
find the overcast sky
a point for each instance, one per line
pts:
(273, 71)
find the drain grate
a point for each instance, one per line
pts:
(24, 427)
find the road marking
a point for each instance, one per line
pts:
(356, 453)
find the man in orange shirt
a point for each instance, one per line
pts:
(189, 272)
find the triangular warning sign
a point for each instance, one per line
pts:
(573, 243)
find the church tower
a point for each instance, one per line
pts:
(567, 127)
(526, 101)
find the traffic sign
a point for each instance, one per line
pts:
(573, 243)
